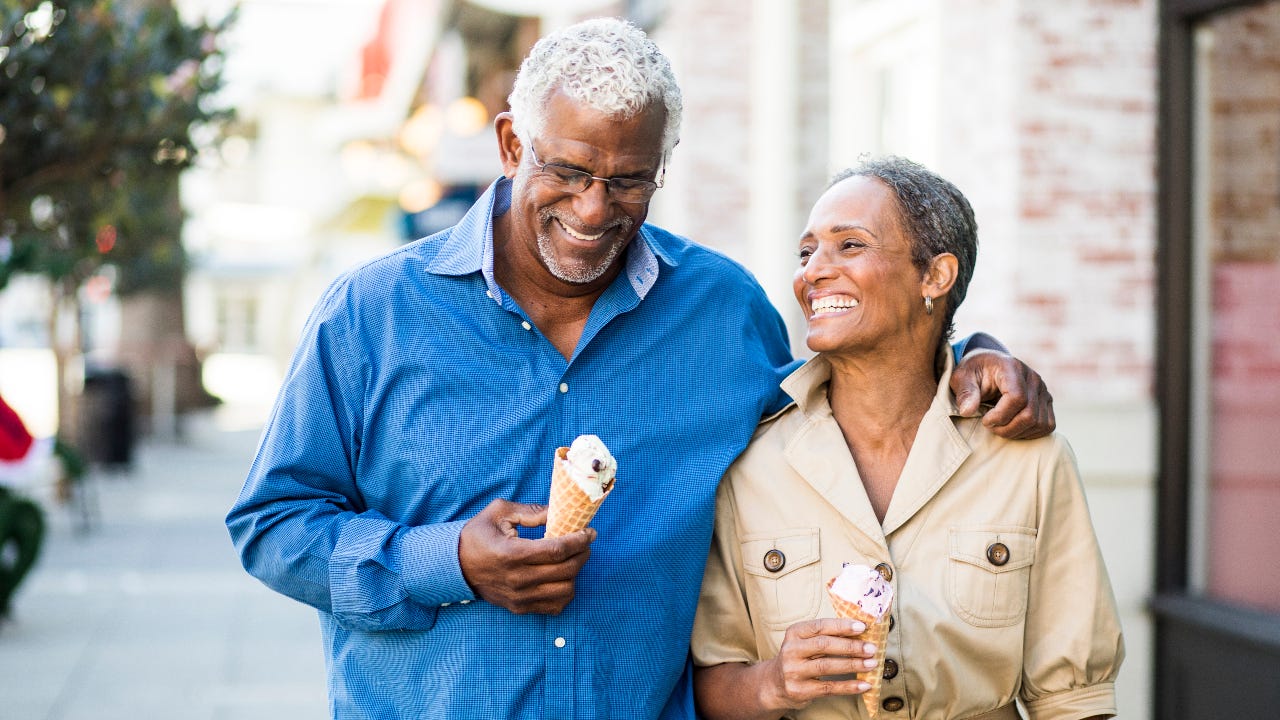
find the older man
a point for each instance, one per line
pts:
(397, 485)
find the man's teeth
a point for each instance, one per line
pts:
(579, 235)
(833, 303)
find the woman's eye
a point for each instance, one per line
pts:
(853, 244)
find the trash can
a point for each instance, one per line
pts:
(106, 418)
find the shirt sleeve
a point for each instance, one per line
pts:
(1073, 647)
(976, 341)
(722, 628)
(300, 522)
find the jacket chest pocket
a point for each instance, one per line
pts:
(989, 573)
(784, 571)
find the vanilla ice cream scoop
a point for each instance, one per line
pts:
(591, 465)
(864, 586)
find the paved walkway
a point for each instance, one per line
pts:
(148, 613)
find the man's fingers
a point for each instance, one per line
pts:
(964, 384)
(557, 550)
(1025, 410)
(517, 573)
(507, 515)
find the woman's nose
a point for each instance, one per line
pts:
(817, 266)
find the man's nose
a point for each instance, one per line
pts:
(594, 206)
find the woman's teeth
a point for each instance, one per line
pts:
(833, 303)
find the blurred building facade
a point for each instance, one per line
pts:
(1044, 114)
(1123, 157)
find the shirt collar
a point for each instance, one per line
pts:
(468, 248)
(808, 386)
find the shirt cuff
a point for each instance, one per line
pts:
(1099, 699)
(429, 565)
(978, 341)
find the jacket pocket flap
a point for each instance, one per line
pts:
(778, 554)
(994, 548)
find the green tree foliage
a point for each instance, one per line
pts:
(98, 102)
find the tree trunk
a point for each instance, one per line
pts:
(65, 343)
(163, 364)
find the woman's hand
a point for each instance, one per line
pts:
(1023, 406)
(812, 653)
(818, 659)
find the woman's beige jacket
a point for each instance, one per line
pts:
(969, 635)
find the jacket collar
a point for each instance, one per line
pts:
(818, 453)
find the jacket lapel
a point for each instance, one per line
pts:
(818, 454)
(936, 452)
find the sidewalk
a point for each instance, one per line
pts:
(148, 614)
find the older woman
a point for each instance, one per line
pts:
(1000, 590)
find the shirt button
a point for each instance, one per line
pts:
(774, 560)
(885, 571)
(526, 325)
(890, 669)
(998, 553)
(445, 604)
(893, 704)
(464, 602)
(564, 387)
(559, 642)
(892, 622)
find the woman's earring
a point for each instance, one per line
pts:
(928, 305)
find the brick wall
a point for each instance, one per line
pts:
(707, 191)
(1070, 231)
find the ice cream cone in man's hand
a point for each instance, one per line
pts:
(582, 478)
(860, 593)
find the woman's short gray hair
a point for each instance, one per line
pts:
(607, 64)
(936, 218)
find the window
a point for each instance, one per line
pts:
(1235, 317)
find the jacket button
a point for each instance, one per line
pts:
(774, 560)
(893, 704)
(892, 622)
(998, 553)
(885, 571)
(890, 669)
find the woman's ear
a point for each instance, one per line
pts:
(939, 276)
(509, 147)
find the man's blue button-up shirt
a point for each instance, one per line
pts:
(421, 391)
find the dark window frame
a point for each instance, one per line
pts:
(1209, 628)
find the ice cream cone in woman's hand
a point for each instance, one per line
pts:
(583, 475)
(860, 593)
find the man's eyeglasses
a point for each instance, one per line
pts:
(622, 189)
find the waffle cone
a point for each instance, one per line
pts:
(569, 509)
(877, 632)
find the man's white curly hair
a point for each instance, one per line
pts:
(608, 65)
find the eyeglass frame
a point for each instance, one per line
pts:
(608, 182)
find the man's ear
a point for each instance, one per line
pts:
(940, 276)
(510, 149)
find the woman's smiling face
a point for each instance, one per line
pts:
(857, 284)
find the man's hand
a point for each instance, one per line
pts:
(1023, 406)
(521, 575)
